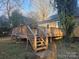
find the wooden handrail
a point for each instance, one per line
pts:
(30, 30)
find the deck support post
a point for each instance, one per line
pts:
(35, 45)
(47, 41)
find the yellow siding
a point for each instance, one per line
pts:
(52, 24)
(53, 30)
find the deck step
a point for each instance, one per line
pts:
(41, 45)
(41, 48)
(39, 42)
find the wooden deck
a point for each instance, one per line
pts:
(37, 40)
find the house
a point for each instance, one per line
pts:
(52, 24)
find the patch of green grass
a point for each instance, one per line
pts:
(12, 51)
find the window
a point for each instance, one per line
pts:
(58, 24)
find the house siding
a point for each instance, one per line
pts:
(52, 29)
(53, 24)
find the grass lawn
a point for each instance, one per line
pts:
(9, 49)
(12, 50)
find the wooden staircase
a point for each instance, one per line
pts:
(41, 44)
(37, 42)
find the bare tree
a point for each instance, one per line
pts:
(43, 8)
(33, 15)
(7, 6)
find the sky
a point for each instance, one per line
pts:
(78, 3)
(27, 5)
